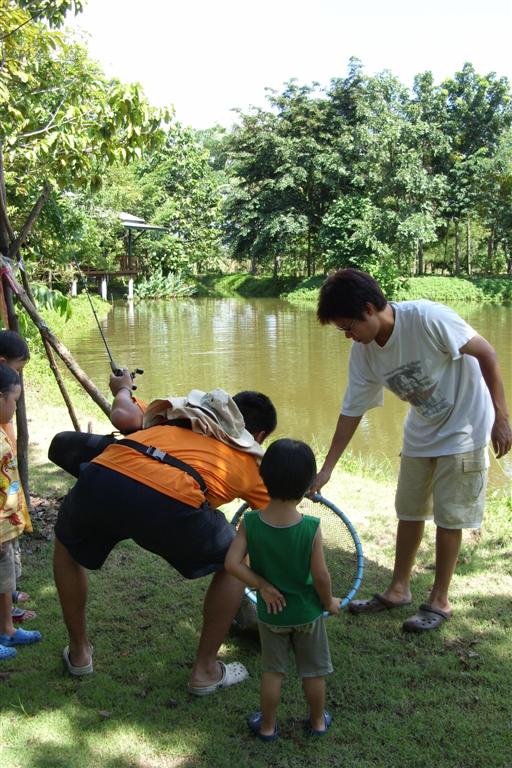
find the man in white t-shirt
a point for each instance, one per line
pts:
(429, 356)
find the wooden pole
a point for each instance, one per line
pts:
(53, 364)
(56, 345)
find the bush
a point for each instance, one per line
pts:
(160, 286)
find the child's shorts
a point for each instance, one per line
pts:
(7, 567)
(448, 489)
(17, 558)
(309, 643)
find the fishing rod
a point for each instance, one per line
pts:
(116, 370)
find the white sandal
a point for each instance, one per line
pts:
(232, 674)
(87, 669)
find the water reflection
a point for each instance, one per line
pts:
(269, 345)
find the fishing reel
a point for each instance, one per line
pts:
(119, 372)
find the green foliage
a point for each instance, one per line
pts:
(165, 286)
(180, 191)
(368, 174)
(63, 122)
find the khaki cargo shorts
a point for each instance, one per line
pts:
(309, 643)
(447, 489)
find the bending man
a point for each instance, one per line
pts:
(184, 457)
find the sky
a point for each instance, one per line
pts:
(206, 57)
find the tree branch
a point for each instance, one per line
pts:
(27, 227)
(61, 350)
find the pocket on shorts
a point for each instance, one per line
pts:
(474, 473)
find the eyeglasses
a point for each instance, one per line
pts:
(345, 329)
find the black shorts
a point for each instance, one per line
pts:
(105, 507)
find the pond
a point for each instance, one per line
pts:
(267, 345)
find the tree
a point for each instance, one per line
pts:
(62, 124)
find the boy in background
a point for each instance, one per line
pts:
(14, 352)
(288, 571)
(11, 519)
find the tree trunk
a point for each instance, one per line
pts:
(469, 260)
(421, 264)
(308, 255)
(456, 253)
(508, 258)
(21, 409)
(491, 247)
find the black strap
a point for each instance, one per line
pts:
(165, 458)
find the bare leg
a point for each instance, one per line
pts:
(6, 625)
(71, 581)
(270, 694)
(314, 690)
(448, 543)
(408, 539)
(221, 603)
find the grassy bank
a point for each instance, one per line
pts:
(489, 290)
(436, 700)
(395, 699)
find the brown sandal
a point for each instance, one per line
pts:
(375, 604)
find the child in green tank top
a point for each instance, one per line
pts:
(288, 571)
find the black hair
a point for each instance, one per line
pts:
(288, 468)
(13, 346)
(8, 378)
(258, 411)
(346, 293)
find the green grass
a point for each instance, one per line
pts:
(304, 291)
(248, 286)
(436, 700)
(489, 290)
(396, 699)
(449, 290)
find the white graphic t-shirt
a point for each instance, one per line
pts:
(451, 409)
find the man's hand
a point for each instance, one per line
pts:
(501, 436)
(320, 480)
(274, 600)
(116, 383)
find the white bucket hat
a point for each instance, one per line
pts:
(212, 413)
(224, 410)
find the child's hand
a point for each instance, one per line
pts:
(274, 600)
(334, 606)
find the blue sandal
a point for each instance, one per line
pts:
(21, 637)
(313, 731)
(254, 723)
(7, 653)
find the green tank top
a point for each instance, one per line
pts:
(282, 555)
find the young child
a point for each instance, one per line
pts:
(11, 519)
(14, 352)
(294, 586)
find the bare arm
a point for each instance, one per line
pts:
(125, 415)
(321, 576)
(343, 434)
(501, 433)
(235, 565)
